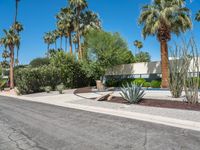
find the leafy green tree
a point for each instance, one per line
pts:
(106, 49)
(197, 18)
(143, 57)
(162, 18)
(38, 62)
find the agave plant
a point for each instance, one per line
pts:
(132, 93)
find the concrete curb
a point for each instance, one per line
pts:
(186, 124)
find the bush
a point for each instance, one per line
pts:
(155, 84)
(60, 88)
(139, 81)
(147, 84)
(125, 81)
(48, 89)
(132, 93)
(112, 83)
(62, 69)
(30, 80)
(38, 62)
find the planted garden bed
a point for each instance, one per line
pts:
(160, 103)
(149, 102)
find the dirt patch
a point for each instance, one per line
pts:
(160, 103)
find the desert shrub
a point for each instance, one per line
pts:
(132, 93)
(155, 84)
(48, 89)
(60, 88)
(139, 81)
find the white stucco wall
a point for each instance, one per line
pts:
(141, 68)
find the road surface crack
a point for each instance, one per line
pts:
(145, 139)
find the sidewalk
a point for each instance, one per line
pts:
(172, 117)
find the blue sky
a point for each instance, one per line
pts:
(38, 17)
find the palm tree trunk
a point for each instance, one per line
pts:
(55, 45)
(79, 46)
(70, 43)
(78, 35)
(164, 64)
(16, 10)
(61, 42)
(66, 43)
(12, 67)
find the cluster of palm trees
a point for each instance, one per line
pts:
(197, 18)
(162, 18)
(11, 41)
(73, 22)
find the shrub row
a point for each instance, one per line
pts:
(31, 80)
(140, 81)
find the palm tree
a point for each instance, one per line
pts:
(138, 45)
(55, 37)
(78, 6)
(66, 18)
(49, 39)
(197, 18)
(18, 28)
(16, 10)
(162, 18)
(11, 40)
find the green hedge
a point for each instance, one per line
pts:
(155, 84)
(30, 80)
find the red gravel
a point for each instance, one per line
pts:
(161, 103)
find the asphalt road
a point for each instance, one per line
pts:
(34, 126)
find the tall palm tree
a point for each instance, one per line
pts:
(78, 6)
(49, 39)
(55, 37)
(17, 26)
(162, 18)
(197, 18)
(16, 10)
(89, 20)
(138, 45)
(11, 40)
(66, 18)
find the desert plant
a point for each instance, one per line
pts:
(155, 84)
(191, 78)
(178, 68)
(132, 93)
(3, 83)
(48, 89)
(60, 88)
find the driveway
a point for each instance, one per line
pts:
(34, 126)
